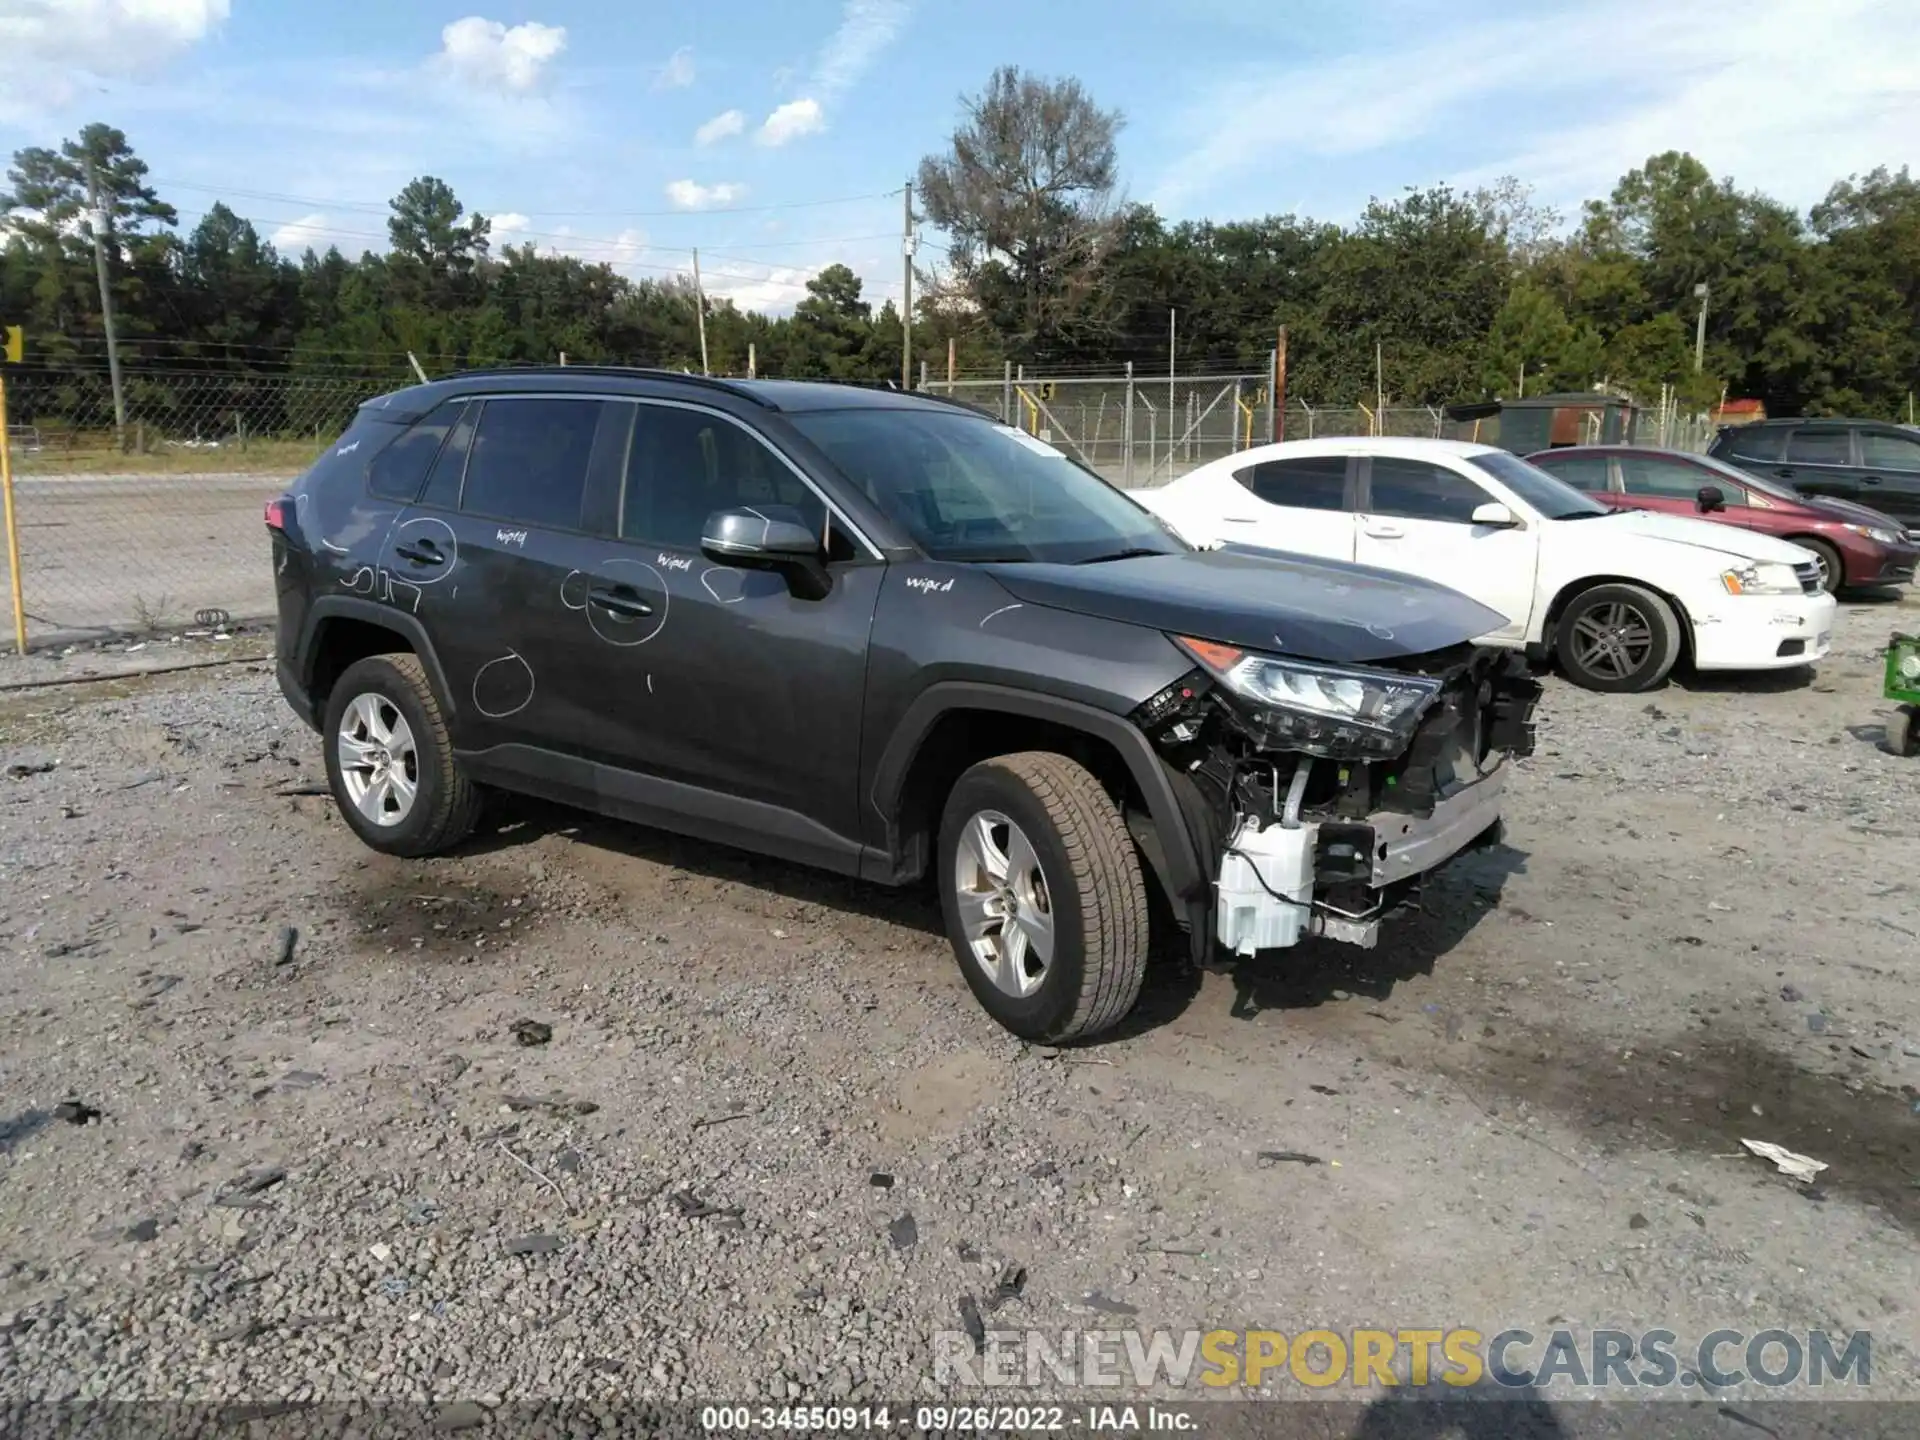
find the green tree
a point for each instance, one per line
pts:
(1026, 192)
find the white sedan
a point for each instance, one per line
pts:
(1617, 597)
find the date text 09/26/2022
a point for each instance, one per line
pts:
(946, 1419)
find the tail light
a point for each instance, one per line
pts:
(280, 514)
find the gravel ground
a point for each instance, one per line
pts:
(770, 1142)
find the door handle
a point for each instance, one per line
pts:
(421, 552)
(1239, 520)
(620, 601)
(1385, 532)
(1785, 472)
(1869, 479)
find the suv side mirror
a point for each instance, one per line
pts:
(768, 537)
(1496, 516)
(1711, 498)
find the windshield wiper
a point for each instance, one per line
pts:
(1128, 554)
(1589, 514)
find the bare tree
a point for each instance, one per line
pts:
(1027, 192)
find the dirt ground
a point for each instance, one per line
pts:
(772, 1142)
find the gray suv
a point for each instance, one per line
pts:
(890, 637)
(1870, 462)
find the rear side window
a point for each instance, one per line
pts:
(1819, 447)
(528, 461)
(1416, 490)
(443, 483)
(1583, 472)
(1754, 442)
(397, 471)
(1660, 479)
(1890, 452)
(1317, 482)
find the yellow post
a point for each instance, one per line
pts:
(13, 532)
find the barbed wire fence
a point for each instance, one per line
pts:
(152, 522)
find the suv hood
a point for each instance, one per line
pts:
(1262, 600)
(1700, 534)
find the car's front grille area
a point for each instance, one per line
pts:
(1809, 577)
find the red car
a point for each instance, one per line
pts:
(1854, 545)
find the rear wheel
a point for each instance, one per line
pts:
(1833, 570)
(1618, 638)
(1043, 897)
(390, 763)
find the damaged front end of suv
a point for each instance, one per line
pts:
(1321, 795)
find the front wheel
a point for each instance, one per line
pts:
(1043, 897)
(1833, 570)
(1618, 638)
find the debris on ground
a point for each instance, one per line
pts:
(531, 1032)
(1008, 1286)
(1288, 1157)
(971, 1322)
(554, 1104)
(1801, 1167)
(692, 1207)
(1107, 1305)
(904, 1232)
(537, 1244)
(880, 1180)
(75, 1112)
(289, 939)
(255, 1181)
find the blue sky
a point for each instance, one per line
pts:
(769, 133)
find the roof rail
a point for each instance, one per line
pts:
(647, 372)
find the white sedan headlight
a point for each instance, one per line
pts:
(1875, 534)
(1764, 577)
(1335, 710)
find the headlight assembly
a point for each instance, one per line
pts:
(1875, 534)
(1764, 577)
(1329, 710)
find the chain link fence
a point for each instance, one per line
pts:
(155, 524)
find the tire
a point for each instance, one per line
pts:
(1620, 612)
(385, 692)
(1090, 898)
(1833, 570)
(1903, 732)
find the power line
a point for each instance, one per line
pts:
(383, 207)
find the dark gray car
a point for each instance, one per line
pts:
(883, 635)
(1869, 462)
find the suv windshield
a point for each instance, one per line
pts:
(1552, 497)
(969, 489)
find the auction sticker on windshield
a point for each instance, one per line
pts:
(1033, 443)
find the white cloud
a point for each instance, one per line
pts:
(48, 46)
(1688, 80)
(720, 127)
(867, 27)
(792, 120)
(488, 55)
(678, 72)
(688, 195)
(309, 232)
(769, 289)
(505, 226)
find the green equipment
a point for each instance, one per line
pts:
(1903, 686)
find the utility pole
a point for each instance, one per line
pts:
(97, 222)
(1700, 293)
(1173, 340)
(700, 312)
(1278, 430)
(906, 289)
